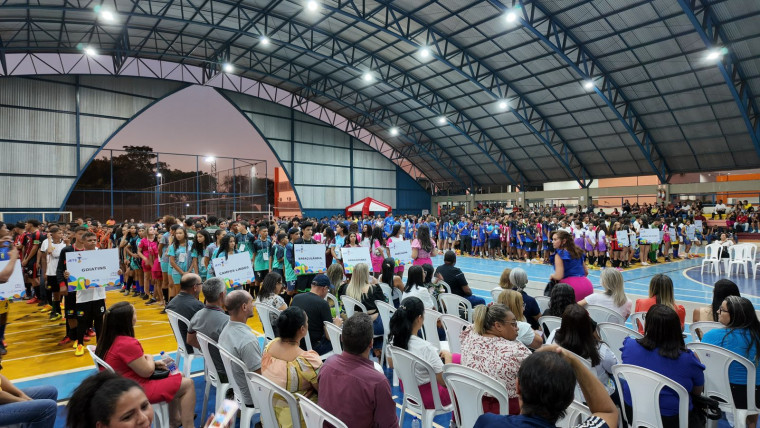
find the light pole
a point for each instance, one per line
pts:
(212, 162)
(159, 182)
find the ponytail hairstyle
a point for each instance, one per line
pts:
(484, 317)
(388, 270)
(95, 399)
(402, 321)
(567, 243)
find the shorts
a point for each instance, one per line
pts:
(32, 270)
(260, 274)
(739, 392)
(51, 284)
(70, 301)
(94, 308)
(279, 271)
(529, 246)
(165, 267)
(135, 264)
(493, 243)
(290, 285)
(156, 274)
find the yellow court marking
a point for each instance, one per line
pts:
(32, 340)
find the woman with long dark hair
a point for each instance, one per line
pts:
(423, 247)
(378, 251)
(721, 290)
(118, 347)
(577, 333)
(662, 350)
(388, 276)
(106, 400)
(201, 242)
(569, 266)
(415, 287)
(404, 327)
(179, 258)
(742, 336)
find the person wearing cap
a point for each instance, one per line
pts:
(318, 311)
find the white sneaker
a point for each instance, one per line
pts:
(644, 264)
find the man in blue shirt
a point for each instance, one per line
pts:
(546, 387)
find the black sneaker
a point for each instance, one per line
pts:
(151, 301)
(144, 296)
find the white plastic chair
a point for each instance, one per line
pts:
(430, 324)
(575, 414)
(99, 363)
(350, 305)
(614, 334)
(604, 314)
(495, 293)
(645, 387)
(265, 316)
(386, 311)
(452, 304)
(386, 291)
(717, 361)
(754, 270)
(638, 320)
(187, 359)
(453, 325)
(315, 416)
(739, 257)
(467, 387)
(711, 259)
(160, 410)
(334, 332)
(405, 363)
(578, 393)
(543, 303)
(335, 303)
(263, 393)
(549, 323)
(235, 368)
(211, 375)
(307, 341)
(703, 327)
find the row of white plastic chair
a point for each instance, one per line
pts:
(742, 256)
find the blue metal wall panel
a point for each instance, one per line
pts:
(411, 198)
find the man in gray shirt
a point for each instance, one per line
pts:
(186, 303)
(238, 339)
(210, 321)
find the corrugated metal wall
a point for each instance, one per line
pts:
(329, 168)
(39, 143)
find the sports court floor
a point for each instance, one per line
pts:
(35, 358)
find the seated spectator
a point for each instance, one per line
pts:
(120, 350)
(561, 296)
(546, 387)
(210, 321)
(405, 325)
(33, 407)
(238, 339)
(725, 244)
(720, 210)
(662, 350)
(269, 294)
(455, 278)
(721, 290)
(415, 287)
(742, 336)
(289, 366)
(525, 333)
(490, 346)
(389, 277)
(661, 293)
(504, 281)
(519, 279)
(352, 374)
(366, 291)
(577, 334)
(106, 399)
(613, 297)
(318, 311)
(186, 302)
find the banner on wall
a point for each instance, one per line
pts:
(310, 259)
(352, 256)
(88, 269)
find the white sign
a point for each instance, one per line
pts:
(622, 237)
(672, 233)
(352, 256)
(14, 287)
(425, 212)
(649, 236)
(691, 231)
(89, 269)
(402, 252)
(698, 224)
(235, 270)
(310, 258)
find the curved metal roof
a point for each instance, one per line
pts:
(481, 92)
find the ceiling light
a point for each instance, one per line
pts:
(588, 84)
(89, 51)
(228, 68)
(312, 5)
(368, 77)
(424, 52)
(715, 54)
(394, 131)
(503, 104)
(442, 120)
(511, 16)
(264, 40)
(107, 15)
(210, 159)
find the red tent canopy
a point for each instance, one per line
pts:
(366, 206)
